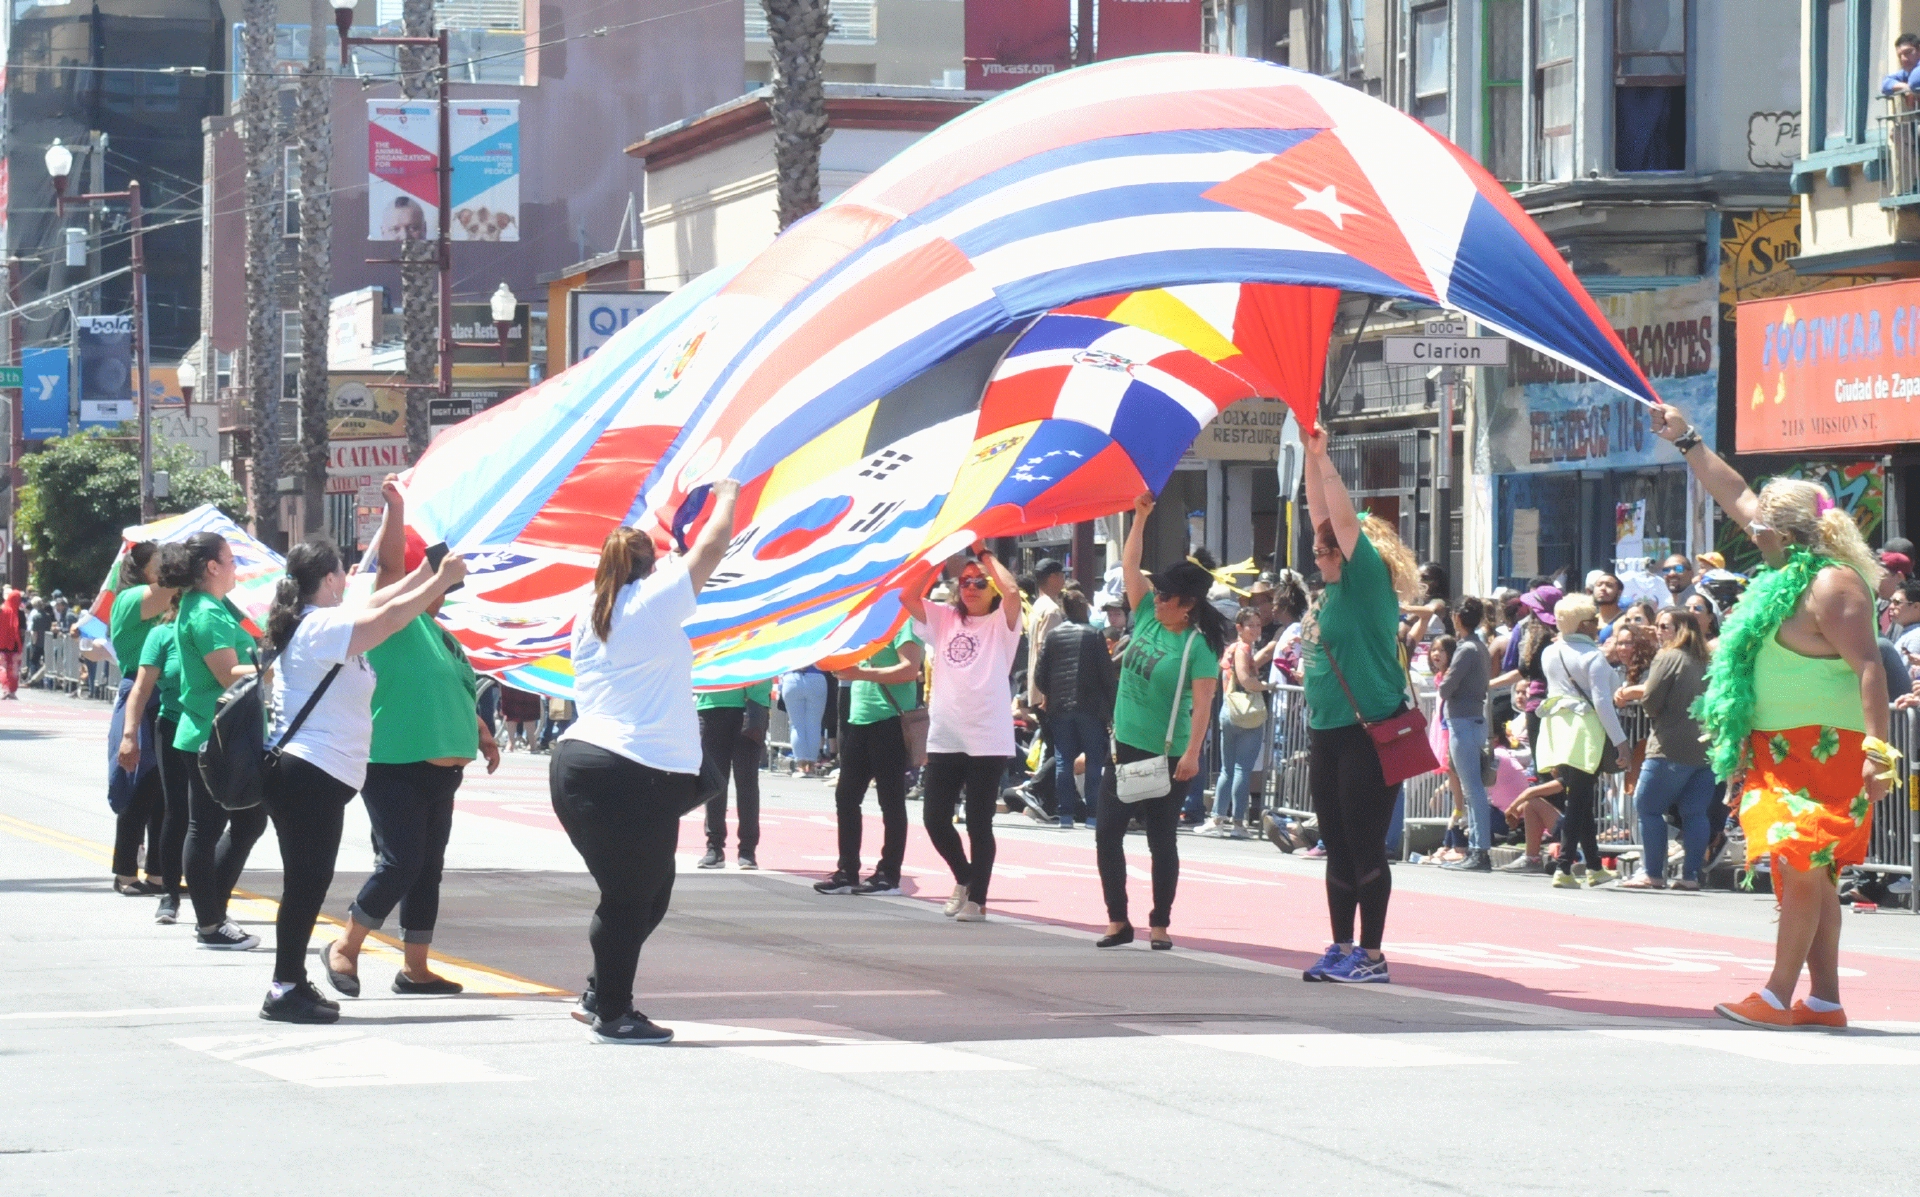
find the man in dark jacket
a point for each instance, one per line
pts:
(1076, 680)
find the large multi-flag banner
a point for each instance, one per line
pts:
(257, 568)
(1022, 320)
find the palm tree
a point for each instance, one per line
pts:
(798, 29)
(260, 135)
(313, 133)
(419, 297)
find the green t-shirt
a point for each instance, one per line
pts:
(204, 625)
(1359, 618)
(868, 701)
(735, 699)
(161, 652)
(127, 630)
(1149, 677)
(423, 697)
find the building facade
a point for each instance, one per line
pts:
(903, 43)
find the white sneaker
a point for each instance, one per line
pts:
(970, 912)
(958, 900)
(1237, 832)
(1212, 831)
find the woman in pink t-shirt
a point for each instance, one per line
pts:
(971, 645)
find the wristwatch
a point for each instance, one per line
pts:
(1687, 441)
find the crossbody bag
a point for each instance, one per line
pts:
(1136, 781)
(1400, 740)
(913, 728)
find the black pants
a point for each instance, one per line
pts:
(411, 809)
(1577, 826)
(877, 753)
(175, 766)
(726, 751)
(218, 841)
(1161, 817)
(1355, 807)
(624, 820)
(308, 806)
(140, 819)
(948, 774)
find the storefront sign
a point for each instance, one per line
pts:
(365, 407)
(1755, 248)
(1250, 430)
(1552, 417)
(1829, 370)
(593, 317)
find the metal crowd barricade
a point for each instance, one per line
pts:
(1896, 828)
(60, 663)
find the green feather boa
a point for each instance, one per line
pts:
(1725, 710)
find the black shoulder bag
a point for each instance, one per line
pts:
(235, 760)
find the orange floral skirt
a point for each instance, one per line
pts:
(1803, 802)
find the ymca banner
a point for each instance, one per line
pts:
(403, 186)
(1147, 27)
(43, 389)
(1011, 41)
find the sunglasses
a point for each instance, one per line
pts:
(1165, 596)
(1325, 550)
(973, 583)
(1674, 569)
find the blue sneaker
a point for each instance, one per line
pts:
(1357, 969)
(1334, 955)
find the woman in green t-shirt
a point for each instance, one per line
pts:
(215, 651)
(134, 791)
(155, 695)
(1355, 629)
(1172, 624)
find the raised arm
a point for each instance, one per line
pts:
(1844, 611)
(143, 685)
(711, 545)
(390, 546)
(1327, 497)
(379, 620)
(912, 658)
(1721, 480)
(1130, 572)
(1004, 582)
(914, 602)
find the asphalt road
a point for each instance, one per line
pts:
(1534, 1039)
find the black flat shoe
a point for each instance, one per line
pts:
(1114, 941)
(1161, 945)
(438, 985)
(344, 984)
(302, 1003)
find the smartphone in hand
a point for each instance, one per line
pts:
(436, 553)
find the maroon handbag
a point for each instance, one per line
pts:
(1399, 740)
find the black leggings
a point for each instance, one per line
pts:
(1161, 817)
(876, 753)
(175, 765)
(411, 810)
(1577, 828)
(140, 819)
(726, 749)
(308, 806)
(624, 819)
(1354, 804)
(947, 774)
(218, 841)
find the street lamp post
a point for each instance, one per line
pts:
(59, 165)
(188, 376)
(503, 305)
(343, 18)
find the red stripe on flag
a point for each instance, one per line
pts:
(1021, 399)
(599, 491)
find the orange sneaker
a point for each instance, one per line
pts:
(1807, 1019)
(1756, 1011)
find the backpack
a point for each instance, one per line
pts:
(235, 760)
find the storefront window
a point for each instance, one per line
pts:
(1649, 523)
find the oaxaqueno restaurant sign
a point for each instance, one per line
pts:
(1831, 369)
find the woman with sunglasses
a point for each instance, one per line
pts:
(1675, 773)
(970, 718)
(1354, 676)
(1173, 624)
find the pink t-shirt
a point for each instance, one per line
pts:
(1513, 777)
(970, 709)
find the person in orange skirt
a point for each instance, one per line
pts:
(1796, 717)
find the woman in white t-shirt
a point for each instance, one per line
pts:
(628, 767)
(972, 643)
(323, 762)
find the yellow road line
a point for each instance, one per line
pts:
(477, 978)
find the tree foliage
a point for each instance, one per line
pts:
(83, 490)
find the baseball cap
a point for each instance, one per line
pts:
(1047, 567)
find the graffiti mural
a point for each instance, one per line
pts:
(1859, 488)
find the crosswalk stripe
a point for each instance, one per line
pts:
(336, 1060)
(1333, 1049)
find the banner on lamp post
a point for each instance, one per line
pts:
(403, 160)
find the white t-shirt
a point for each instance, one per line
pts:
(971, 710)
(338, 735)
(635, 689)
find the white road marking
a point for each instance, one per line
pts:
(335, 1059)
(151, 1010)
(819, 1052)
(1333, 1049)
(1781, 1047)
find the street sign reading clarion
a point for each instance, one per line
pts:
(1444, 351)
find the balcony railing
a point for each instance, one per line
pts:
(1901, 128)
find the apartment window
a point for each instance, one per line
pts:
(1224, 27)
(1556, 25)
(1839, 66)
(1431, 51)
(289, 377)
(290, 193)
(1650, 85)
(1502, 88)
(1343, 28)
